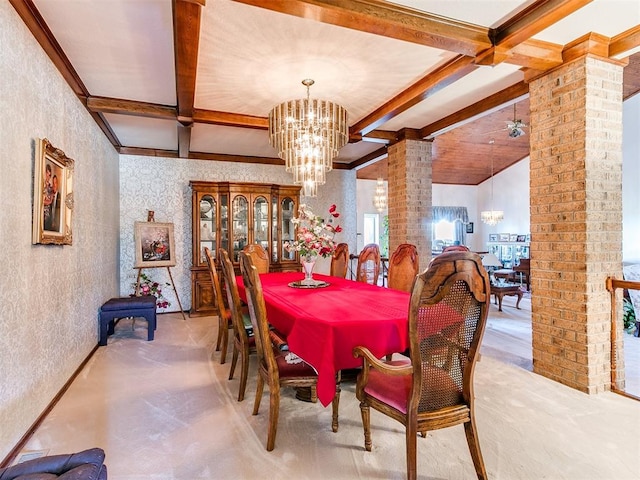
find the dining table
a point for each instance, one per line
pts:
(324, 324)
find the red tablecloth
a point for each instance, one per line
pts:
(323, 325)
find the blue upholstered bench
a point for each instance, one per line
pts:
(143, 306)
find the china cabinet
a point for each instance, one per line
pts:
(232, 215)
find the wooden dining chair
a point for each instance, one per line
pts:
(340, 261)
(224, 315)
(368, 269)
(434, 389)
(244, 343)
(273, 368)
(403, 267)
(259, 256)
(455, 248)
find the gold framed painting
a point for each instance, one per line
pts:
(52, 195)
(154, 245)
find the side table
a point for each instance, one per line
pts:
(499, 291)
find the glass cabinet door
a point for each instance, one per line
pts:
(207, 226)
(224, 222)
(261, 222)
(239, 228)
(288, 228)
(274, 229)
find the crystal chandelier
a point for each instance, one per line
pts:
(308, 135)
(380, 197)
(492, 217)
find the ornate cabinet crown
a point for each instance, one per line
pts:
(232, 215)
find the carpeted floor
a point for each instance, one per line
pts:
(165, 410)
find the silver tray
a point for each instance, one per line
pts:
(318, 284)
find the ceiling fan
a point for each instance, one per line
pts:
(515, 127)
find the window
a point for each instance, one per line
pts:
(371, 228)
(444, 234)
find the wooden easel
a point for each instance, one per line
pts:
(172, 284)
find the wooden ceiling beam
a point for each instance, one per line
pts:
(131, 107)
(186, 39)
(513, 43)
(236, 158)
(212, 117)
(389, 20)
(372, 157)
(148, 152)
(591, 43)
(536, 55)
(475, 110)
(533, 19)
(433, 82)
(625, 44)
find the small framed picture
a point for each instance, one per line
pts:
(154, 245)
(52, 195)
(469, 227)
(493, 237)
(521, 238)
(504, 237)
(513, 237)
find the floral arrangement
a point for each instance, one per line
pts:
(149, 287)
(314, 237)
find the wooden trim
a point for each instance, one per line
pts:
(131, 107)
(106, 129)
(148, 152)
(31, 430)
(433, 82)
(393, 21)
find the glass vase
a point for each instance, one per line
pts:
(308, 262)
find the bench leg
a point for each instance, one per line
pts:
(151, 325)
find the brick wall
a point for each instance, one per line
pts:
(576, 219)
(410, 196)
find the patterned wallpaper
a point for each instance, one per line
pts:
(162, 185)
(49, 295)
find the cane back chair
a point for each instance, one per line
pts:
(447, 315)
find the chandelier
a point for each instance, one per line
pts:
(380, 197)
(308, 135)
(492, 217)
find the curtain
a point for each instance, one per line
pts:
(458, 215)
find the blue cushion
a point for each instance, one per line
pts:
(130, 303)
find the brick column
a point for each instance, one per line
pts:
(576, 218)
(410, 196)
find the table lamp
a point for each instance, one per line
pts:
(491, 262)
